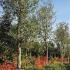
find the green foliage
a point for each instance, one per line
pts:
(9, 56)
(58, 67)
(5, 23)
(1, 61)
(29, 30)
(28, 63)
(45, 21)
(13, 31)
(55, 67)
(67, 51)
(67, 66)
(6, 53)
(7, 42)
(62, 36)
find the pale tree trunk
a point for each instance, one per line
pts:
(19, 65)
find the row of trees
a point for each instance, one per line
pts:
(34, 28)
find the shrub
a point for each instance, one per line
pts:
(28, 63)
(8, 66)
(67, 66)
(56, 67)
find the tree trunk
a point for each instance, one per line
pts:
(19, 58)
(68, 59)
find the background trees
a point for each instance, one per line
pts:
(32, 31)
(62, 36)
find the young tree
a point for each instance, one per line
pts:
(62, 35)
(45, 19)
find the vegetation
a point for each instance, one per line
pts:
(24, 25)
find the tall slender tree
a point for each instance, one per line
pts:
(45, 19)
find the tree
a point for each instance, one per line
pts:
(45, 17)
(23, 26)
(8, 43)
(21, 9)
(62, 35)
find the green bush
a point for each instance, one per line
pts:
(1, 61)
(28, 63)
(67, 66)
(55, 67)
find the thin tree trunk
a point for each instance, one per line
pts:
(68, 59)
(47, 54)
(46, 45)
(30, 55)
(19, 57)
(62, 58)
(18, 30)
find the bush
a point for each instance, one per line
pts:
(28, 63)
(56, 67)
(67, 66)
(1, 61)
(8, 66)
